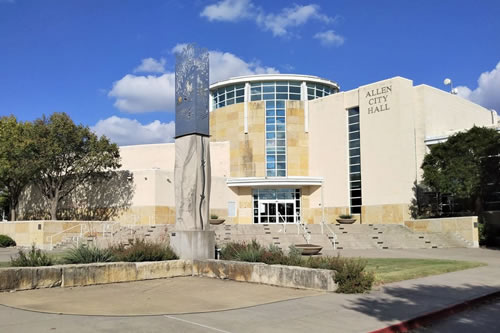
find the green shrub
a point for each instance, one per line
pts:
(294, 257)
(345, 216)
(6, 241)
(141, 250)
(229, 251)
(34, 257)
(351, 276)
(84, 254)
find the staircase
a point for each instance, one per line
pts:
(353, 236)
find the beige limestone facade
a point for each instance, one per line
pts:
(293, 148)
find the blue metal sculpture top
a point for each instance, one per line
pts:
(191, 92)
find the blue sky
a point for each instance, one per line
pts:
(109, 64)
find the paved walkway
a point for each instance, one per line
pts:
(322, 313)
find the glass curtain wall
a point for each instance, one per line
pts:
(354, 160)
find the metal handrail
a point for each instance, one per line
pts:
(334, 236)
(51, 237)
(305, 234)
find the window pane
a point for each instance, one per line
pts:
(270, 112)
(356, 202)
(355, 185)
(354, 144)
(295, 90)
(355, 210)
(280, 113)
(270, 135)
(353, 112)
(269, 104)
(256, 98)
(354, 152)
(230, 94)
(281, 173)
(355, 176)
(283, 89)
(354, 127)
(355, 168)
(354, 119)
(295, 97)
(354, 136)
(268, 96)
(355, 160)
(269, 89)
(255, 90)
(281, 96)
(240, 99)
(355, 193)
(280, 104)
(240, 92)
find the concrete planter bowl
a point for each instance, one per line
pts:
(346, 221)
(309, 249)
(216, 221)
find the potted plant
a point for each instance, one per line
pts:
(346, 219)
(215, 220)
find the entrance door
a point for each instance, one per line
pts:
(277, 211)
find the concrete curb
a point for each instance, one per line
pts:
(428, 318)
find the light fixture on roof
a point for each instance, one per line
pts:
(447, 82)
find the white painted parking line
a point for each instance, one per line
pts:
(197, 324)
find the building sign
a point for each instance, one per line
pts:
(378, 99)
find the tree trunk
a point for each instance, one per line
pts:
(53, 207)
(12, 213)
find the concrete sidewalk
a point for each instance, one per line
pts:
(324, 313)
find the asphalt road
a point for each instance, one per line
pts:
(484, 318)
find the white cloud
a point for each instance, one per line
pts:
(278, 23)
(487, 92)
(136, 94)
(151, 65)
(329, 38)
(224, 65)
(228, 10)
(124, 131)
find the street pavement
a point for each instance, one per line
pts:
(327, 312)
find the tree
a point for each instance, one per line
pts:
(68, 156)
(17, 156)
(465, 166)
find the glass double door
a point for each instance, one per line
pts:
(277, 211)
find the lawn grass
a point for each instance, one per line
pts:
(389, 270)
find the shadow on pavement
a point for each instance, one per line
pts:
(403, 303)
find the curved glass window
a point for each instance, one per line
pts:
(268, 91)
(228, 95)
(283, 90)
(316, 90)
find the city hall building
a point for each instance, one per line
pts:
(295, 149)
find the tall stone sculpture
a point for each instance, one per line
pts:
(192, 239)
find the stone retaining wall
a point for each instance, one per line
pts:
(23, 278)
(465, 227)
(274, 275)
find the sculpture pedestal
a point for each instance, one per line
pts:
(193, 244)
